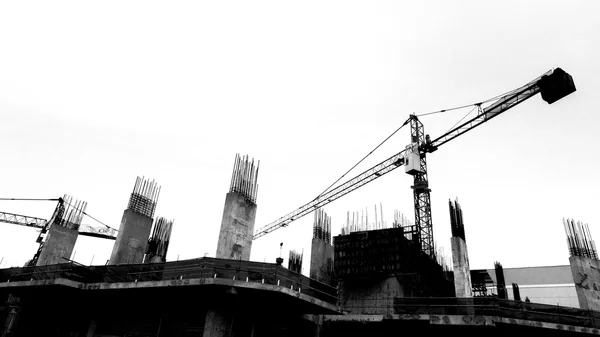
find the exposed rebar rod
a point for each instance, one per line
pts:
(295, 261)
(144, 197)
(158, 244)
(579, 239)
(244, 179)
(456, 220)
(69, 213)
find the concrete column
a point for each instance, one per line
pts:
(586, 275)
(59, 243)
(91, 329)
(462, 271)
(218, 323)
(132, 238)
(13, 306)
(321, 261)
(237, 228)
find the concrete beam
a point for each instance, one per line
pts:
(177, 283)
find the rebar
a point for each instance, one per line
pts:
(244, 179)
(68, 213)
(295, 261)
(144, 197)
(456, 220)
(158, 243)
(322, 226)
(579, 239)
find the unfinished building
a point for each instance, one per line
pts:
(374, 267)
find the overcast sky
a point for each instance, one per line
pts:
(93, 94)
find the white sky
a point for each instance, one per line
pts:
(93, 94)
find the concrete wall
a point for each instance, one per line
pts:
(462, 271)
(370, 297)
(586, 274)
(59, 243)
(321, 261)
(132, 239)
(237, 228)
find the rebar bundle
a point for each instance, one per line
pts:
(359, 222)
(456, 220)
(400, 220)
(68, 213)
(579, 239)
(244, 179)
(144, 197)
(158, 243)
(295, 261)
(322, 226)
(441, 259)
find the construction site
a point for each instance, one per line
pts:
(367, 280)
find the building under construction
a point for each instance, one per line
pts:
(369, 281)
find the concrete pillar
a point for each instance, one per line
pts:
(586, 275)
(237, 227)
(460, 255)
(218, 323)
(500, 282)
(91, 328)
(462, 271)
(59, 243)
(132, 239)
(321, 261)
(12, 306)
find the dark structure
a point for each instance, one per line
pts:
(200, 297)
(374, 267)
(501, 284)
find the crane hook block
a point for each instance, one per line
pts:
(556, 85)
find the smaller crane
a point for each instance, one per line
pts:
(43, 224)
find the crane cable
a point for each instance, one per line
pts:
(107, 226)
(365, 157)
(482, 102)
(474, 105)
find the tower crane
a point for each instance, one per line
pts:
(553, 85)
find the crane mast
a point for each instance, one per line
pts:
(553, 85)
(421, 191)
